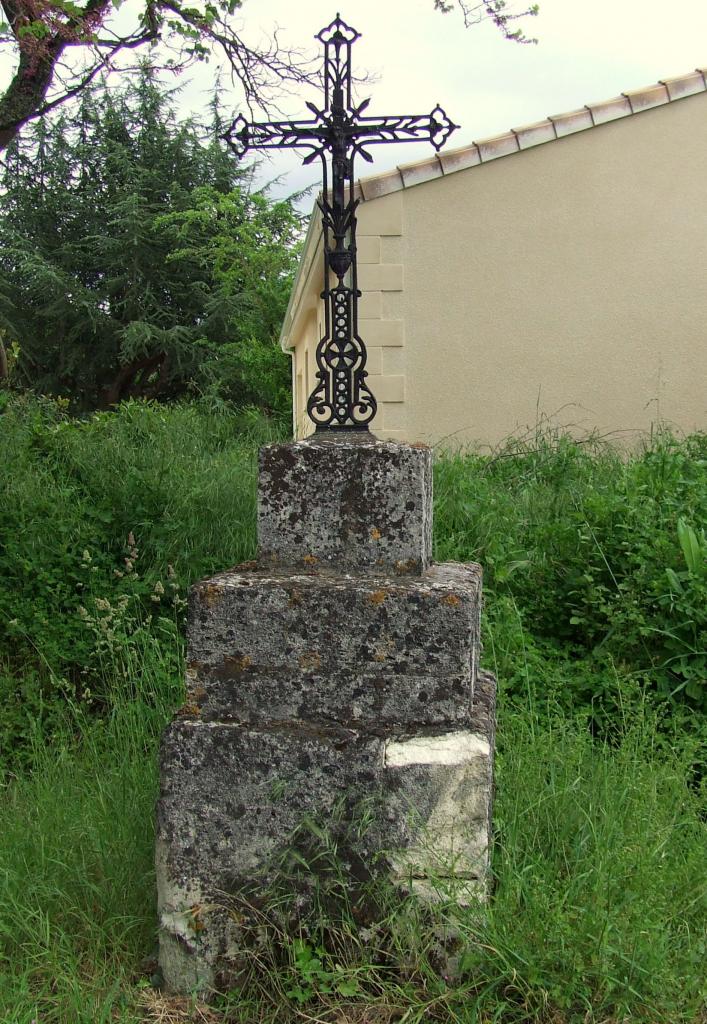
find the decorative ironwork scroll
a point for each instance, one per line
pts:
(341, 399)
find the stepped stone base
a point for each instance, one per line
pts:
(346, 503)
(334, 681)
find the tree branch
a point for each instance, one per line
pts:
(124, 381)
(496, 11)
(13, 114)
(11, 12)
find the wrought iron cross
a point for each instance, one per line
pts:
(341, 399)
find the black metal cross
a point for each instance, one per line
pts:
(341, 398)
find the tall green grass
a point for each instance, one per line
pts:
(599, 912)
(77, 926)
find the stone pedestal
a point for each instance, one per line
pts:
(339, 669)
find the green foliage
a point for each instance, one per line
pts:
(600, 902)
(248, 374)
(105, 522)
(315, 974)
(594, 563)
(136, 259)
(591, 557)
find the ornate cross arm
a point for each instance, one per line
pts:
(435, 127)
(341, 399)
(244, 135)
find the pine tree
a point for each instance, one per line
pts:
(135, 257)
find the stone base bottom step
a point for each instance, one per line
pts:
(234, 799)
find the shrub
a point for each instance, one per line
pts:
(105, 522)
(590, 553)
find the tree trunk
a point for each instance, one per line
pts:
(124, 383)
(26, 91)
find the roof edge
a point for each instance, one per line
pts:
(310, 247)
(554, 127)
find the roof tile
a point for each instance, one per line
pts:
(459, 159)
(644, 99)
(497, 145)
(380, 184)
(535, 134)
(573, 121)
(685, 85)
(420, 170)
(609, 110)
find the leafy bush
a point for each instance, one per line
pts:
(592, 556)
(105, 522)
(194, 262)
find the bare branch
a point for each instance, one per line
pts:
(496, 11)
(41, 30)
(11, 11)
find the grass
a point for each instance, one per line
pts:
(76, 918)
(595, 623)
(599, 912)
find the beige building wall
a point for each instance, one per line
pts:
(564, 282)
(568, 280)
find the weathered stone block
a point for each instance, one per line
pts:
(338, 672)
(364, 652)
(230, 800)
(439, 797)
(233, 797)
(350, 503)
(439, 800)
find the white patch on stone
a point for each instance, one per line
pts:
(450, 748)
(180, 924)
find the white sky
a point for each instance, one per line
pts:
(588, 50)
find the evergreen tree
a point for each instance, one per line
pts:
(136, 259)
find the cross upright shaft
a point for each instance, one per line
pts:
(341, 398)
